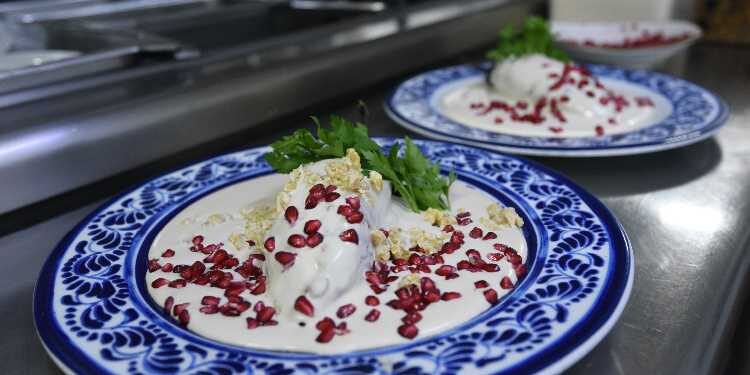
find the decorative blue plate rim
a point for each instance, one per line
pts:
(564, 207)
(696, 115)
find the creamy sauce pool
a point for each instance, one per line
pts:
(583, 106)
(296, 332)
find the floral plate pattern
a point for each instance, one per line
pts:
(696, 114)
(94, 315)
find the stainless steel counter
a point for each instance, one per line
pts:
(687, 212)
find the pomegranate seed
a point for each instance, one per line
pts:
(168, 253)
(449, 247)
(431, 296)
(489, 236)
(314, 240)
(296, 240)
(330, 197)
(414, 259)
(514, 259)
(153, 265)
(355, 217)
(408, 331)
(317, 188)
(476, 232)
(445, 270)
(464, 265)
(286, 259)
(210, 300)
(310, 202)
(412, 318)
(599, 130)
(325, 336)
(481, 284)
(179, 283)
(179, 308)
(506, 283)
(312, 226)
(427, 284)
(184, 318)
(491, 296)
(520, 270)
(291, 214)
(168, 304)
(462, 215)
(303, 305)
(330, 188)
(344, 210)
(325, 324)
(457, 237)
(489, 267)
(373, 315)
(341, 329)
(349, 235)
(197, 240)
(209, 309)
(346, 310)
(260, 288)
(167, 267)
(447, 296)
(353, 202)
(259, 306)
(270, 244)
(251, 323)
(429, 260)
(266, 314)
(186, 274)
(494, 256)
(235, 289)
(448, 228)
(372, 301)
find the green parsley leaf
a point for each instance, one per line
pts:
(413, 177)
(534, 37)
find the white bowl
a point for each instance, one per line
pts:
(603, 42)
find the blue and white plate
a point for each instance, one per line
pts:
(692, 113)
(94, 314)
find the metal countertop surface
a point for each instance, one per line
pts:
(686, 211)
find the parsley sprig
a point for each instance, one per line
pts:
(534, 37)
(413, 177)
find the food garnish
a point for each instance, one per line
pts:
(534, 37)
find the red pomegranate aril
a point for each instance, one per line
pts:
(373, 315)
(447, 296)
(314, 240)
(259, 289)
(457, 237)
(449, 247)
(303, 305)
(259, 306)
(514, 259)
(372, 301)
(168, 253)
(414, 259)
(481, 284)
(168, 304)
(463, 265)
(223, 283)
(346, 310)
(179, 283)
(412, 318)
(153, 265)
(270, 244)
(325, 324)
(355, 217)
(445, 270)
(210, 300)
(448, 228)
(431, 296)
(344, 210)
(330, 197)
(179, 308)
(325, 336)
(291, 214)
(427, 284)
(506, 283)
(491, 296)
(341, 329)
(408, 331)
(520, 271)
(330, 188)
(286, 259)
(476, 232)
(462, 215)
(495, 257)
(312, 226)
(235, 289)
(251, 323)
(353, 202)
(266, 314)
(197, 240)
(349, 235)
(465, 221)
(209, 309)
(489, 236)
(311, 202)
(187, 273)
(184, 318)
(296, 240)
(489, 267)
(317, 188)
(167, 267)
